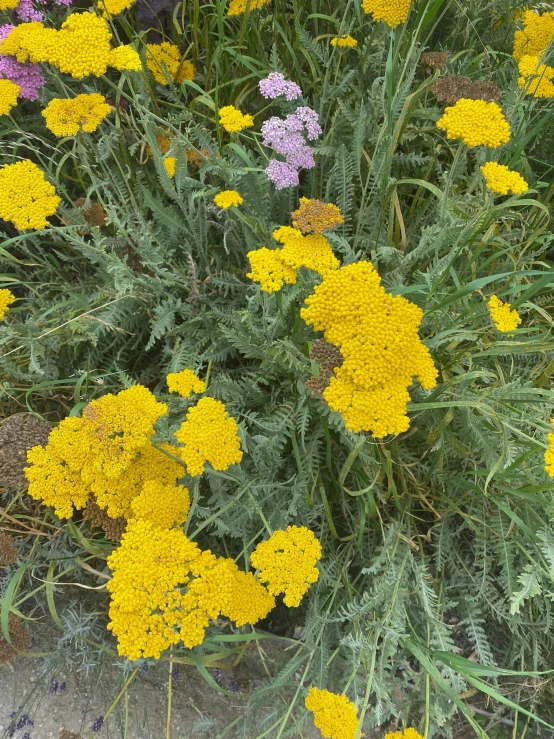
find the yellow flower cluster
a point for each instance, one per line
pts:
(164, 61)
(549, 453)
(536, 35)
(208, 434)
(228, 198)
(66, 117)
(476, 122)
(503, 317)
(269, 270)
(26, 197)
(163, 505)
(6, 299)
(334, 715)
(185, 383)
(110, 8)
(233, 120)
(273, 268)
(536, 78)
(165, 590)
(347, 41)
(409, 733)
(9, 93)
(313, 216)
(80, 48)
(393, 12)
(286, 562)
(169, 164)
(8, 4)
(377, 334)
(238, 7)
(501, 179)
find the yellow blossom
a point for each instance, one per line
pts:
(228, 198)
(29, 42)
(163, 505)
(476, 122)
(169, 164)
(500, 179)
(549, 453)
(26, 197)
(392, 12)
(537, 78)
(164, 61)
(334, 715)
(313, 251)
(377, 334)
(238, 7)
(313, 216)
(9, 92)
(124, 57)
(208, 434)
(6, 299)
(407, 734)
(287, 562)
(66, 117)
(536, 35)
(82, 46)
(347, 41)
(233, 120)
(8, 4)
(185, 383)
(503, 317)
(109, 8)
(269, 269)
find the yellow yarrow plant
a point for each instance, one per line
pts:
(185, 382)
(227, 199)
(334, 715)
(504, 318)
(344, 41)
(476, 122)
(67, 117)
(408, 733)
(26, 196)
(392, 12)
(232, 120)
(6, 299)
(502, 180)
(9, 92)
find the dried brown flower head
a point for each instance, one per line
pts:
(94, 214)
(455, 87)
(313, 216)
(21, 641)
(114, 527)
(65, 734)
(8, 553)
(329, 359)
(434, 59)
(18, 434)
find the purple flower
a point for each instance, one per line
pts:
(218, 676)
(26, 735)
(143, 669)
(24, 721)
(311, 120)
(4, 30)
(53, 686)
(275, 84)
(27, 76)
(63, 686)
(97, 725)
(25, 11)
(282, 174)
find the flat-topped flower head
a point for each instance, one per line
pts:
(163, 505)
(227, 199)
(502, 180)
(476, 122)
(313, 216)
(549, 453)
(275, 85)
(408, 733)
(82, 46)
(269, 270)
(26, 196)
(125, 58)
(238, 7)
(392, 12)
(66, 117)
(344, 41)
(29, 42)
(185, 382)
(110, 8)
(6, 299)
(9, 92)
(504, 318)
(536, 35)
(287, 562)
(232, 120)
(312, 251)
(536, 78)
(334, 715)
(164, 62)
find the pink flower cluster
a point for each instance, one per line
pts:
(275, 85)
(27, 76)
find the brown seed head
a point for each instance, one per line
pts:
(434, 59)
(21, 641)
(455, 87)
(313, 216)
(94, 214)
(18, 434)
(8, 553)
(114, 527)
(329, 359)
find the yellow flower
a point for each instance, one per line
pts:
(9, 92)
(26, 197)
(503, 317)
(208, 434)
(227, 198)
(500, 179)
(537, 33)
(537, 78)
(392, 12)
(549, 453)
(163, 505)
(8, 4)
(82, 46)
(287, 562)
(476, 122)
(313, 216)
(313, 251)
(185, 383)
(6, 299)
(238, 7)
(169, 164)
(233, 120)
(377, 334)
(66, 117)
(29, 42)
(334, 715)
(114, 7)
(164, 61)
(269, 269)
(344, 41)
(408, 734)
(124, 57)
